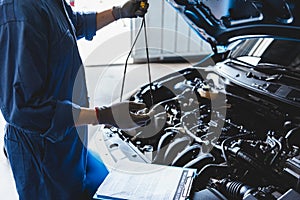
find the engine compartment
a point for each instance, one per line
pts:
(242, 143)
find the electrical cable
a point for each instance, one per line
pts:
(126, 62)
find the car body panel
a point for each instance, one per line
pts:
(239, 19)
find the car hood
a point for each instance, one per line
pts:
(223, 22)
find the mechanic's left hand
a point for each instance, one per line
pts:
(131, 9)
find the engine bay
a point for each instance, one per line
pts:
(242, 143)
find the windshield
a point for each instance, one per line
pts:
(269, 51)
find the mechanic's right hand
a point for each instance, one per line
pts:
(131, 9)
(123, 115)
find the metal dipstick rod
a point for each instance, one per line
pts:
(148, 61)
(143, 25)
(126, 62)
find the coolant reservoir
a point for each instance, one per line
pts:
(207, 92)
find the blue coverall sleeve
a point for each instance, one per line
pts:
(85, 24)
(25, 102)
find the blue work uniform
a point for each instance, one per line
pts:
(42, 87)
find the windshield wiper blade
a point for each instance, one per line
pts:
(275, 69)
(273, 77)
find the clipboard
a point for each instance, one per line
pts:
(135, 181)
(185, 184)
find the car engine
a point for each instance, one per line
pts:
(244, 145)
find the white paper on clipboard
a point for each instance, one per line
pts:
(137, 181)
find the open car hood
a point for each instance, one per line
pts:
(221, 22)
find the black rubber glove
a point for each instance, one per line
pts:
(131, 9)
(124, 115)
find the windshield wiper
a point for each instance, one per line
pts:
(275, 69)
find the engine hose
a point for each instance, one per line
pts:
(234, 189)
(207, 172)
(293, 137)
